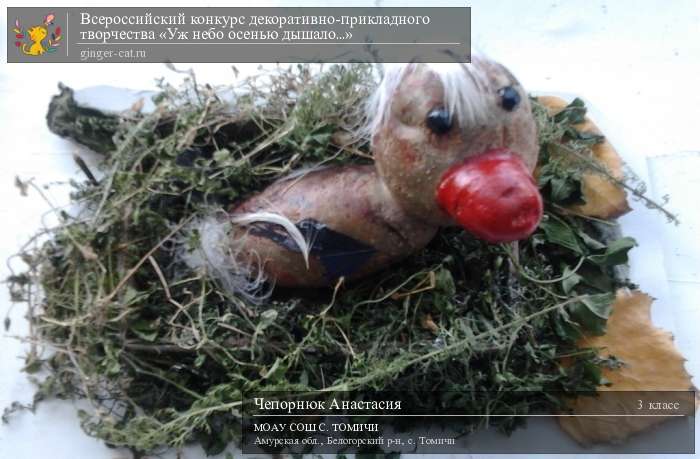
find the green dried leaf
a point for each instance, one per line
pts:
(222, 156)
(570, 281)
(560, 183)
(146, 330)
(590, 241)
(558, 232)
(592, 312)
(615, 253)
(574, 113)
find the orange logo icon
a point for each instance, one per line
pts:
(31, 42)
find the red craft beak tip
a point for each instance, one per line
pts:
(493, 196)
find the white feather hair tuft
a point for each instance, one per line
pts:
(277, 219)
(464, 85)
(217, 252)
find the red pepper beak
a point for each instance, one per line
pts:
(493, 196)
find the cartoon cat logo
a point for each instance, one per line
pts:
(36, 35)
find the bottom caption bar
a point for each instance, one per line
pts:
(628, 422)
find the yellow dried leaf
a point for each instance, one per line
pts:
(604, 198)
(137, 106)
(651, 363)
(87, 252)
(428, 323)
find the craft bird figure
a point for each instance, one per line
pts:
(453, 144)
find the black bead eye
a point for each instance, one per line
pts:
(439, 121)
(510, 98)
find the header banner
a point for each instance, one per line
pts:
(238, 35)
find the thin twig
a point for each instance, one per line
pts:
(138, 265)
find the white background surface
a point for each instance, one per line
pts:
(637, 63)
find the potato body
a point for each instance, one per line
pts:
(353, 226)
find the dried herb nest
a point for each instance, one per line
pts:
(164, 355)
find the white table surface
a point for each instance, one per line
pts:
(637, 64)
